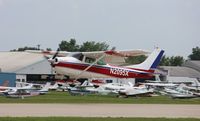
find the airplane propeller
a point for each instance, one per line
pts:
(54, 56)
(53, 59)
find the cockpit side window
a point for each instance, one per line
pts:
(89, 60)
(101, 62)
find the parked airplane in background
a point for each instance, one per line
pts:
(95, 64)
(159, 83)
(179, 92)
(6, 88)
(3, 87)
(25, 91)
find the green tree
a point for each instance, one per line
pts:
(171, 61)
(69, 46)
(165, 61)
(93, 46)
(85, 47)
(176, 60)
(136, 59)
(25, 48)
(195, 54)
(48, 49)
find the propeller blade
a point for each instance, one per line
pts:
(54, 56)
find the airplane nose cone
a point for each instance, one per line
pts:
(53, 61)
(50, 60)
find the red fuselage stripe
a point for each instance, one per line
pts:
(122, 73)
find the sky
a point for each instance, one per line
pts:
(173, 25)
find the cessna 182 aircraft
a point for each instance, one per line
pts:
(97, 64)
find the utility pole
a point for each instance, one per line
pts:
(38, 46)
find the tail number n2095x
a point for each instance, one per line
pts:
(118, 71)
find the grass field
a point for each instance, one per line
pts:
(64, 97)
(92, 119)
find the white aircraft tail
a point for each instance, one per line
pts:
(46, 87)
(151, 62)
(130, 84)
(157, 78)
(86, 83)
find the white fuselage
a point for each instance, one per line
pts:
(74, 72)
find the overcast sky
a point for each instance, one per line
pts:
(173, 25)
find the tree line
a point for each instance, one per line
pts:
(72, 46)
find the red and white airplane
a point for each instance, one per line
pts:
(95, 64)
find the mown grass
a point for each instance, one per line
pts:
(64, 97)
(91, 119)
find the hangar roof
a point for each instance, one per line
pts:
(23, 62)
(178, 71)
(192, 64)
(196, 63)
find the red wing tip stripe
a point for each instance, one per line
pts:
(111, 52)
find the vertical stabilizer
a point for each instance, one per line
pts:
(46, 87)
(151, 62)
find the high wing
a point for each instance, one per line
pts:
(49, 54)
(115, 57)
(111, 56)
